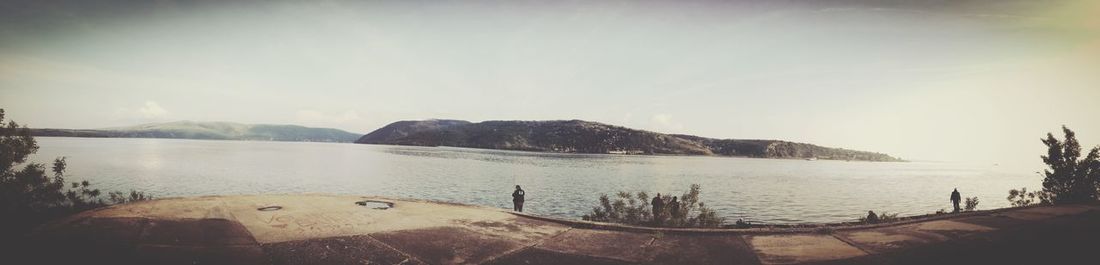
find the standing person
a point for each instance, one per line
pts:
(658, 205)
(517, 199)
(955, 198)
(674, 206)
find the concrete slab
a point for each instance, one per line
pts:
(1027, 216)
(792, 249)
(196, 232)
(1056, 210)
(168, 209)
(227, 255)
(104, 240)
(308, 217)
(336, 251)
(999, 221)
(624, 246)
(700, 249)
(448, 245)
(882, 240)
(949, 225)
(535, 256)
(951, 228)
(524, 230)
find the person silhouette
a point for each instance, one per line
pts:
(674, 207)
(658, 204)
(517, 199)
(955, 198)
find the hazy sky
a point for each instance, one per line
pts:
(935, 80)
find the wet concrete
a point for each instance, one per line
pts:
(321, 229)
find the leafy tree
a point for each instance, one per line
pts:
(29, 195)
(1069, 179)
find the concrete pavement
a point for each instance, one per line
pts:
(322, 229)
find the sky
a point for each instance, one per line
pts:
(977, 81)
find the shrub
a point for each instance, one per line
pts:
(625, 209)
(971, 204)
(1022, 197)
(634, 209)
(884, 217)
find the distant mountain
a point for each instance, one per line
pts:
(212, 131)
(576, 136)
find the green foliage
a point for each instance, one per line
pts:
(634, 209)
(970, 204)
(1022, 197)
(625, 209)
(1069, 179)
(31, 195)
(118, 197)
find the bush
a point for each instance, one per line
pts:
(971, 204)
(29, 195)
(634, 209)
(1022, 197)
(884, 217)
(1069, 180)
(625, 209)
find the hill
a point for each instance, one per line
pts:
(211, 131)
(401, 129)
(576, 136)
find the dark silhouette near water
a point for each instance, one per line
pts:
(658, 205)
(517, 199)
(955, 198)
(674, 207)
(871, 217)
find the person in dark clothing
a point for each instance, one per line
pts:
(658, 204)
(674, 207)
(955, 198)
(517, 199)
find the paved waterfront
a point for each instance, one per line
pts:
(321, 229)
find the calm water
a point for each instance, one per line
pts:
(562, 185)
